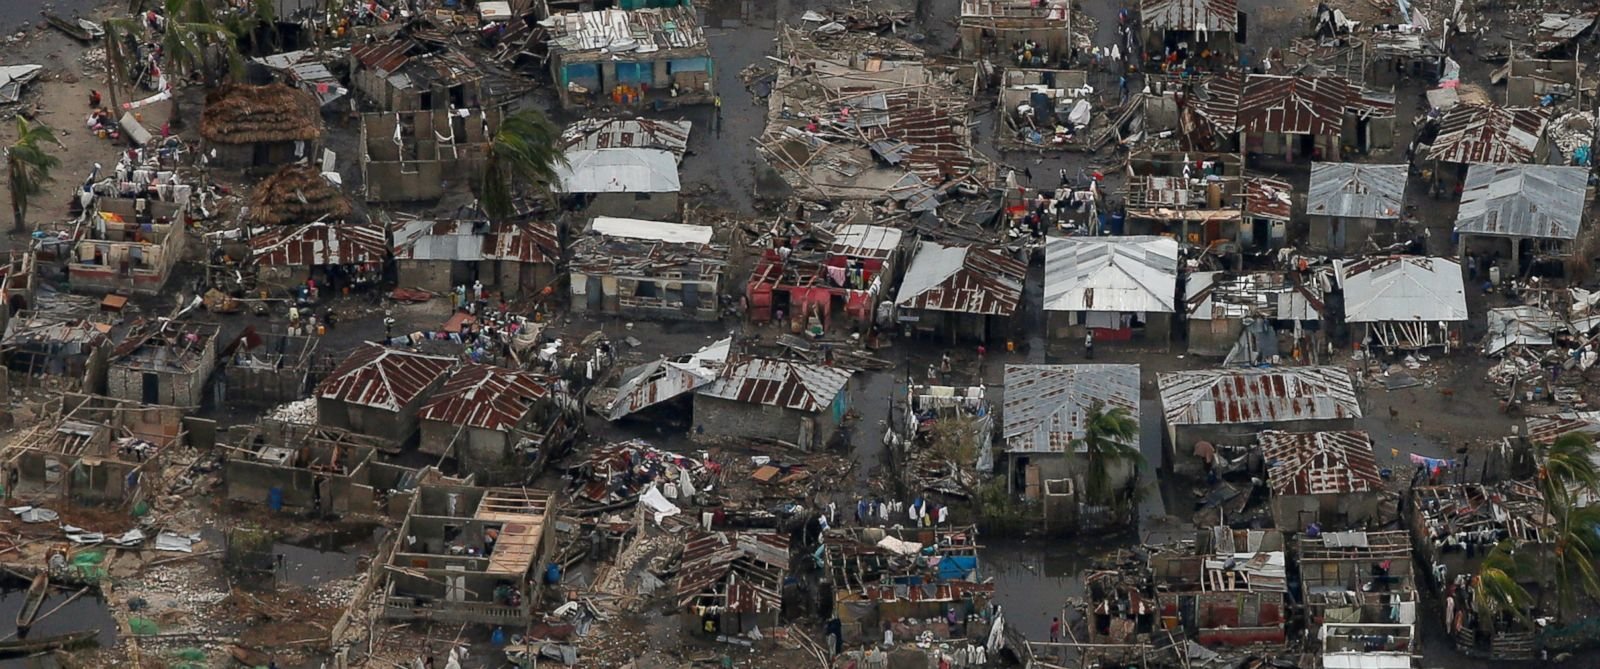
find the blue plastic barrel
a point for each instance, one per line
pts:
(275, 499)
(552, 573)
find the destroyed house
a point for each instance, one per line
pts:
(661, 382)
(923, 468)
(1403, 302)
(127, 245)
(650, 55)
(593, 134)
(729, 583)
(796, 402)
(258, 126)
(1357, 578)
(168, 362)
(614, 473)
(647, 269)
(1368, 645)
(908, 578)
(1044, 416)
(1471, 134)
(306, 70)
(621, 181)
(1455, 526)
(377, 391)
(1120, 604)
(408, 73)
(1267, 209)
(1205, 211)
(511, 258)
(297, 194)
(1558, 30)
(1254, 316)
(1397, 51)
(470, 555)
(1329, 479)
(418, 156)
(17, 280)
(265, 368)
(304, 469)
(855, 271)
(1296, 118)
(97, 450)
(340, 255)
(1351, 204)
(36, 344)
(1529, 81)
(997, 26)
(499, 424)
(1048, 109)
(961, 292)
(1230, 589)
(1512, 210)
(1224, 408)
(1202, 24)
(1118, 287)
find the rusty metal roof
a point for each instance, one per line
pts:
(1047, 406)
(1547, 429)
(1320, 463)
(486, 397)
(320, 244)
(781, 383)
(1220, 16)
(1268, 198)
(655, 382)
(1247, 396)
(747, 568)
(383, 378)
(1294, 105)
(964, 279)
(618, 133)
(617, 33)
(1488, 134)
(387, 56)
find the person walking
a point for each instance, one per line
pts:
(1055, 630)
(1088, 344)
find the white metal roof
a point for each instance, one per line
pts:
(1355, 660)
(1523, 201)
(1402, 288)
(1247, 396)
(1122, 274)
(1046, 406)
(861, 240)
(633, 228)
(619, 171)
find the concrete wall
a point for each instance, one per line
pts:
(1214, 337)
(1325, 231)
(661, 78)
(252, 482)
(1180, 439)
(947, 326)
(245, 156)
(253, 385)
(720, 416)
(646, 206)
(1066, 327)
(1348, 511)
(431, 275)
(397, 427)
(183, 389)
(620, 296)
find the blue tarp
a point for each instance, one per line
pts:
(957, 568)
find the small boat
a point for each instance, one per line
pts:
(82, 30)
(24, 647)
(30, 608)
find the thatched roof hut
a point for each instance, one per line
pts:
(297, 194)
(244, 114)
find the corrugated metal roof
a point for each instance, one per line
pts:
(655, 382)
(486, 397)
(1556, 29)
(865, 241)
(1221, 16)
(1355, 190)
(1524, 325)
(780, 383)
(964, 279)
(1271, 295)
(747, 567)
(1268, 198)
(1547, 429)
(1121, 274)
(625, 31)
(1320, 463)
(425, 239)
(1294, 104)
(320, 244)
(1046, 406)
(1402, 288)
(1487, 134)
(383, 378)
(1350, 659)
(1246, 396)
(529, 242)
(618, 171)
(633, 228)
(1053, 10)
(1543, 201)
(618, 133)
(387, 56)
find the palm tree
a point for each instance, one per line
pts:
(1109, 436)
(1496, 589)
(524, 153)
(28, 167)
(190, 35)
(1567, 479)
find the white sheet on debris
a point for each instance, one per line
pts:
(900, 547)
(174, 542)
(31, 514)
(658, 505)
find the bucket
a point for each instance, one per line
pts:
(275, 499)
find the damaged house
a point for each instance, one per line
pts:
(1360, 579)
(417, 156)
(511, 258)
(628, 182)
(1217, 25)
(470, 555)
(265, 369)
(17, 280)
(961, 292)
(647, 269)
(1044, 416)
(729, 583)
(1296, 118)
(1230, 588)
(1250, 318)
(996, 27)
(1329, 479)
(794, 402)
(853, 274)
(1526, 214)
(1351, 204)
(297, 194)
(338, 255)
(1048, 109)
(661, 382)
(167, 362)
(909, 579)
(655, 55)
(258, 126)
(500, 424)
(377, 391)
(1119, 287)
(420, 70)
(304, 468)
(594, 134)
(1204, 212)
(1403, 302)
(128, 245)
(38, 344)
(1209, 411)
(1470, 134)
(97, 451)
